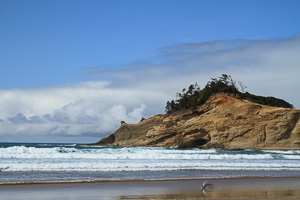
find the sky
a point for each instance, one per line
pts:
(70, 71)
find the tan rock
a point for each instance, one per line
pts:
(222, 122)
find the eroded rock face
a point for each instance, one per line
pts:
(222, 122)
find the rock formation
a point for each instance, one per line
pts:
(223, 122)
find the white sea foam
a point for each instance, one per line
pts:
(21, 158)
(283, 152)
(151, 165)
(131, 153)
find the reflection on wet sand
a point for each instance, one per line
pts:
(234, 189)
(294, 194)
(244, 188)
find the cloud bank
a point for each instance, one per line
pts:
(87, 111)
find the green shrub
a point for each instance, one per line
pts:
(193, 97)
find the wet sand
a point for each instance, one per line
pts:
(244, 188)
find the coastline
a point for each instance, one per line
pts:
(227, 188)
(55, 171)
(139, 180)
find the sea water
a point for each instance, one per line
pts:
(36, 162)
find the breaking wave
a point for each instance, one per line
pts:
(79, 158)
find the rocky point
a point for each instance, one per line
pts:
(223, 122)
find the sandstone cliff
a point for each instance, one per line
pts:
(223, 122)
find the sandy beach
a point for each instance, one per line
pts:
(244, 188)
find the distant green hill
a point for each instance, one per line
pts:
(193, 97)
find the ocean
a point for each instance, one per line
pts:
(51, 163)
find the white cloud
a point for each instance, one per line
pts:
(266, 67)
(141, 88)
(90, 108)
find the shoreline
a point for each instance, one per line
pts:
(234, 188)
(140, 180)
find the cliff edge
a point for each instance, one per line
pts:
(222, 122)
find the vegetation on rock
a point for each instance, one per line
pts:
(193, 97)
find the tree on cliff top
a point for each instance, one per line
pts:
(193, 97)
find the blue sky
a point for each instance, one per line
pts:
(70, 71)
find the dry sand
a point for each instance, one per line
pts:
(244, 188)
